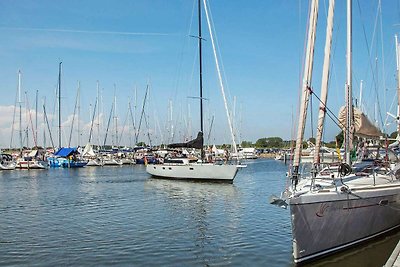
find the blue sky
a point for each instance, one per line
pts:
(135, 43)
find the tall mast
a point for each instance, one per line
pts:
(200, 74)
(349, 114)
(325, 81)
(79, 113)
(98, 114)
(59, 105)
(44, 123)
(398, 84)
(36, 120)
(306, 86)
(360, 100)
(20, 110)
(115, 116)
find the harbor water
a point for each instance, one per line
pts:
(120, 216)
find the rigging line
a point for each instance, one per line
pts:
(108, 125)
(220, 78)
(89, 32)
(369, 50)
(13, 122)
(48, 125)
(123, 127)
(383, 66)
(219, 54)
(328, 111)
(311, 117)
(30, 119)
(91, 124)
(73, 116)
(185, 43)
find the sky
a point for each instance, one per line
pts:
(128, 46)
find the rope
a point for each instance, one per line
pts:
(328, 112)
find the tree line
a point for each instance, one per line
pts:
(277, 142)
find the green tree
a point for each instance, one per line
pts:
(141, 144)
(262, 142)
(246, 144)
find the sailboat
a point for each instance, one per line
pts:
(192, 168)
(332, 211)
(28, 160)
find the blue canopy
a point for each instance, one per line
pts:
(66, 151)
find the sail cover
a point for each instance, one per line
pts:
(195, 143)
(362, 126)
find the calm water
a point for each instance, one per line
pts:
(119, 216)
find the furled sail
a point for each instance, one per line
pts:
(195, 143)
(362, 126)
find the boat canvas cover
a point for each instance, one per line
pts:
(362, 126)
(195, 143)
(66, 151)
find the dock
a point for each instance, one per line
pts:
(394, 259)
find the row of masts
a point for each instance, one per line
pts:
(56, 132)
(143, 116)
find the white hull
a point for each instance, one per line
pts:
(128, 161)
(328, 220)
(30, 164)
(95, 162)
(112, 162)
(194, 171)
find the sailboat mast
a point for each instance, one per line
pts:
(200, 69)
(59, 105)
(306, 86)
(349, 108)
(325, 81)
(36, 120)
(200, 75)
(398, 84)
(20, 110)
(44, 121)
(98, 114)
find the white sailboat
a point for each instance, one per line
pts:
(193, 169)
(332, 211)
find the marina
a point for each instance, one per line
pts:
(122, 216)
(200, 133)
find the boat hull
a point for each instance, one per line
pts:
(208, 172)
(342, 220)
(95, 162)
(112, 162)
(7, 166)
(31, 164)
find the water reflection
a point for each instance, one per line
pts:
(374, 253)
(211, 209)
